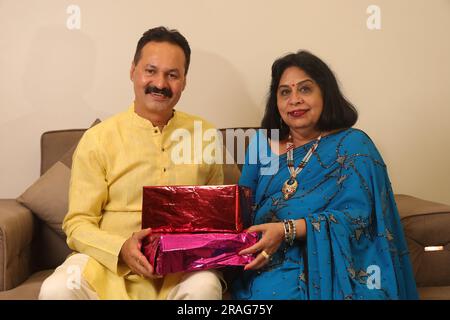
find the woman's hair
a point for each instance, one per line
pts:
(337, 113)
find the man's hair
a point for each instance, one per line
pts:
(337, 113)
(162, 34)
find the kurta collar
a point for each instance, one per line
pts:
(141, 122)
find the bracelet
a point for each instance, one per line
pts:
(287, 231)
(294, 231)
(290, 231)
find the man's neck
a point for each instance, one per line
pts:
(157, 119)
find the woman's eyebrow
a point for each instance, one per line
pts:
(298, 83)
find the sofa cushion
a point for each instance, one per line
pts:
(29, 290)
(434, 293)
(47, 197)
(426, 226)
(54, 144)
(16, 235)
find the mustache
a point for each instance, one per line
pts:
(164, 91)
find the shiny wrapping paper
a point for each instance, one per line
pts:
(189, 209)
(181, 252)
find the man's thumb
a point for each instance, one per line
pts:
(143, 233)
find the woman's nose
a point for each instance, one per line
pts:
(296, 98)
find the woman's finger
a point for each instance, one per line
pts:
(253, 249)
(259, 262)
(256, 228)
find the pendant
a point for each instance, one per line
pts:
(289, 188)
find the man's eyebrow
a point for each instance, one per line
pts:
(298, 83)
(168, 71)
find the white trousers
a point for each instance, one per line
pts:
(65, 284)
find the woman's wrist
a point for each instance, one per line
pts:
(301, 229)
(294, 230)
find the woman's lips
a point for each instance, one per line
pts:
(297, 113)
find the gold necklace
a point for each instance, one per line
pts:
(290, 185)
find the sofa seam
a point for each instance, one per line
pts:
(423, 214)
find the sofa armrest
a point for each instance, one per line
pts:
(409, 206)
(16, 233)
(427, 231)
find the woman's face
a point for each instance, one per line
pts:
(299, 100)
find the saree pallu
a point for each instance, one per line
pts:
(354, 247)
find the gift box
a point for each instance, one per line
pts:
(180, 252)
(190, 209)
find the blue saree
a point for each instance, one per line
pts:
(354, 247)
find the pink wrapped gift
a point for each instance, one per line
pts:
(188, 209)
(170, 253)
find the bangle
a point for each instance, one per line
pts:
(290, 231)
(287, 231)
(294, 231)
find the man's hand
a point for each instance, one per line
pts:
(131, 255)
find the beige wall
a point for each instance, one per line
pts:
(398, 77)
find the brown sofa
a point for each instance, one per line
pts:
(32, 244)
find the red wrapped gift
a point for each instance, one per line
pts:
(181, 252)
(188, 209)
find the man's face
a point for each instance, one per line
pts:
(158, 78)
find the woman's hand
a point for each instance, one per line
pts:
(272, 237)
(131, 254)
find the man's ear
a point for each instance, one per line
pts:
(184, 83)
(133, 67)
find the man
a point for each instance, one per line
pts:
(112, 163)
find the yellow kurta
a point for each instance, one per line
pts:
(111, 164)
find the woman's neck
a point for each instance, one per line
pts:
(302, 137)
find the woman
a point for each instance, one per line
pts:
(330, 227)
